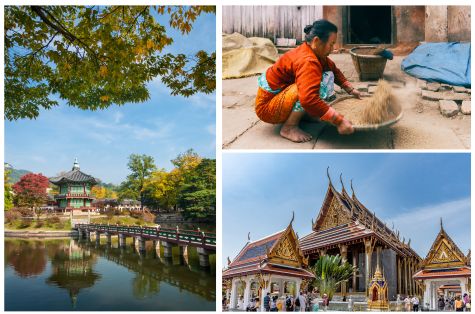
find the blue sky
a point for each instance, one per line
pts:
(412, 190)
(162, 127)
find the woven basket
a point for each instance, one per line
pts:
(368, 65)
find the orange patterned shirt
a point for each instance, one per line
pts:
(301, 66)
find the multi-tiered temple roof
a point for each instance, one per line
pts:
(343, 219)
(278, 253)
(444, 259)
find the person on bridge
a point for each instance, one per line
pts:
(302, 81)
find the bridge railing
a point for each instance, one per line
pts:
(191, 236)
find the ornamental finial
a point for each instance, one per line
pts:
(441, 225)
(352, 191)
(76, 164)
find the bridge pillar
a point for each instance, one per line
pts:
(141, 244)
(167, 249)
(80, 233)
(183, 250)
(88, 234)
(156, 246)
(98, 236)
(109, 238)
(122, 239)
(203, 255)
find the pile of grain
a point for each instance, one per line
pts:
(381, 107)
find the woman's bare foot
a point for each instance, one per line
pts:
(294, 133)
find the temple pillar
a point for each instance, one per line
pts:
(355, 263)
(247, 291)
(406, 291)
(369, 247)
(344, 255)
(398, 271)
(233, 298)
(378, 257)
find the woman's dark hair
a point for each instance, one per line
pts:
(320, 28)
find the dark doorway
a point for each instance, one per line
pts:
(369, 25)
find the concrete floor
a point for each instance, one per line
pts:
(422, 127)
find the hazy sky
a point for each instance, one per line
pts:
(412, 190)
(162, 127)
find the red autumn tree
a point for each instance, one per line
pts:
(30, 191)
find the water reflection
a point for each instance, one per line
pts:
(72, 269)
(82, 268)
(27, 258)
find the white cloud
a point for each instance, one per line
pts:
(422, 224)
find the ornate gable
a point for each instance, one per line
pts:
(444, 253)
(333, 213)
(286, 250)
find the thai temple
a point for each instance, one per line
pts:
(445, 271)
(346, 227)
(388, 268)
(274, 264)
(74, 189)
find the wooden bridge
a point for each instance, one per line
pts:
(205, 242)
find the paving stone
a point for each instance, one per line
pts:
(433, 86)
(448, 108)
(445, 87)
(372, 89)
(421, 84)
(429, 95)
(466, 107)
(459, 89)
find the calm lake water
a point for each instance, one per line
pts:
(67, 274)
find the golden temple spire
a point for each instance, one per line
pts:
(352, 190)
(342, 185)
(328, 175)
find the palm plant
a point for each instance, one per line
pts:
(330, 272)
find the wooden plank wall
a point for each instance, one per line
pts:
(270, 21)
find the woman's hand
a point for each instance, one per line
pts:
(356, 93)
(345, 127)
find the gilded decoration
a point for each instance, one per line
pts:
(378, 292)
(334, 216)
(286, 250)
(443, 256)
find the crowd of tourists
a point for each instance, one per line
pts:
(312, 302)
(458, 304)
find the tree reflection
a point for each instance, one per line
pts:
(28, 258)
(145, 286)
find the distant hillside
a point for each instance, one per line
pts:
(15, 174)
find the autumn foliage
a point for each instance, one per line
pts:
(30, 191)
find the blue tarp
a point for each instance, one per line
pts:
(440, 62)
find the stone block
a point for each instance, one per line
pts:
(430, 95)
(448, 108)
(421, 84)
(445, 87)
(459, 89)
(433, 86)
(466, 107)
